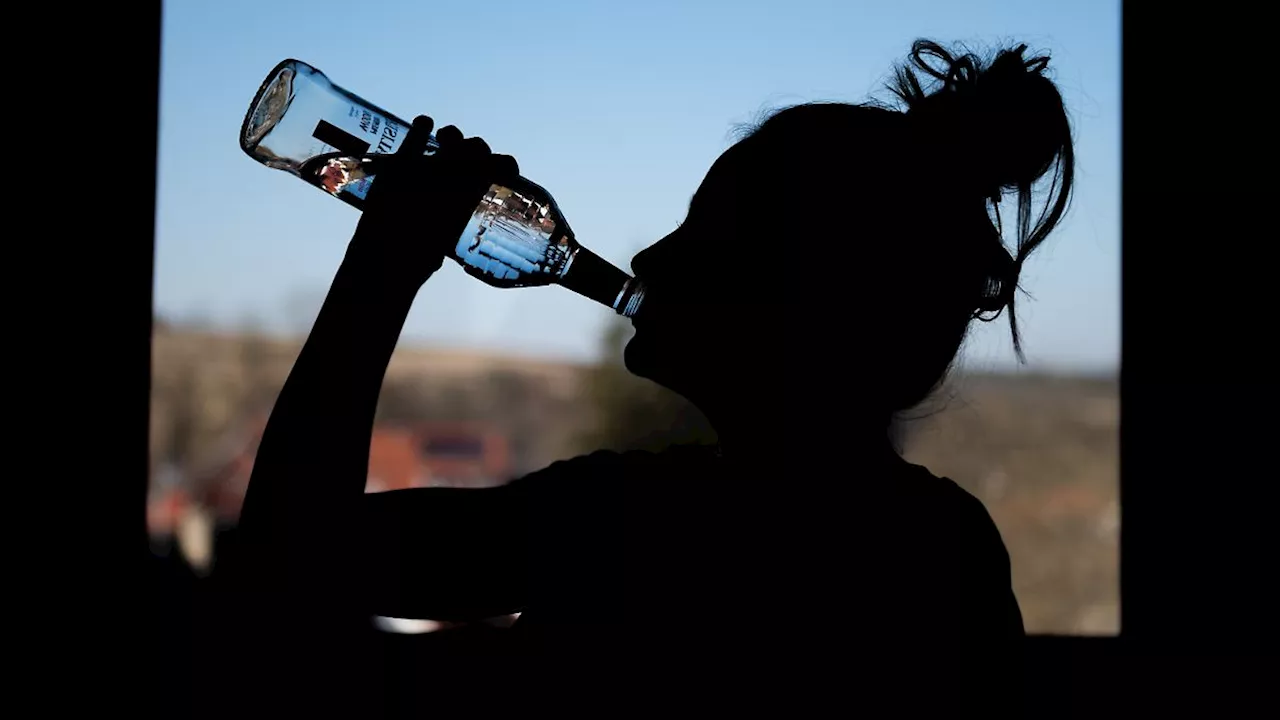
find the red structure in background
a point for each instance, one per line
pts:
(393, 461)
(165, 510)
(195, 521)
(462, 454)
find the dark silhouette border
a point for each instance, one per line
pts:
(1197, 608)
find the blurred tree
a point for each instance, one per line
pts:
(261, 370)
(456, 401)
(416, 398)
(630, 413)
(180, 400)
(404, 399)
(524, 412)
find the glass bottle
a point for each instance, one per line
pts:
(302, 123)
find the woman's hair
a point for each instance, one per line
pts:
(1012, 129)
(964, 135)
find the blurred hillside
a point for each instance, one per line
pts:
(1041, 452)
(206, 385)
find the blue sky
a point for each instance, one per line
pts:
(618, 109)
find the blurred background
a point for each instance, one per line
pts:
(618, 109)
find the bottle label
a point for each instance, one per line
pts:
(339, 139)
(382, 134)
(362, 132)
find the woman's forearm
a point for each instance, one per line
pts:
(311, 466)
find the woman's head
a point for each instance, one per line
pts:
(849, 247)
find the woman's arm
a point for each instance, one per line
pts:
(301, 521)
(552, 539)
(298, 520)
(444, 553)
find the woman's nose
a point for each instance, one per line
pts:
(653, 260)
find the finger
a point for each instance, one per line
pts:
(504, 168)
(474, 148)
(449, 136)
(415, 141)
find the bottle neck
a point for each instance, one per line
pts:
(593, 277)
(633, 297)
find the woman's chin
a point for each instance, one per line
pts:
(643, 358)
(634, 357)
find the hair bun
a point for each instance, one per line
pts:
(1001, 121)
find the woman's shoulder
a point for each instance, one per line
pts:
(603, 469)
(957, 520)
(923, 487)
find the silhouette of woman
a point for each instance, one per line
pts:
(804, 516)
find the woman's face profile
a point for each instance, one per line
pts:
(689, 328)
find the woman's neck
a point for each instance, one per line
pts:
(792, 441)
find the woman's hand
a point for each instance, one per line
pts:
(419, 204)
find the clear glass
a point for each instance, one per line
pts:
(302, 123)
